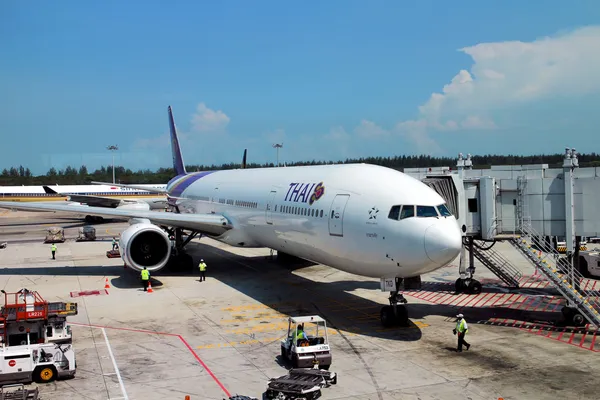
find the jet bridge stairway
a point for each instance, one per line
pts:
(499, 265)
(582, 304)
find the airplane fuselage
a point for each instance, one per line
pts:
(337, 215)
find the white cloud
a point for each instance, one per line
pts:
(509, 74)
(337, 133)
(208, 120)
(369, 129)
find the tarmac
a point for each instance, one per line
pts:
(214, 339)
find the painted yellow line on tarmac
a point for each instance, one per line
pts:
(260, 317)
(241, 343)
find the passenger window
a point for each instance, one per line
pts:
(407, 212)
(426, 211)
(444, 211)
(394, 213)
(321, 213)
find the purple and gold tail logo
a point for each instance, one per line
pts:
(317, 194)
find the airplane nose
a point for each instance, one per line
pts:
(442, 243)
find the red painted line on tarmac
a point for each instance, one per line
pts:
(572, 336)
(204, 365)
(445, 297)
(429, 296)
(561, 334)
(587, 283)
(468, 297)
(479, 298)
(498, 299)
(165, 334)
(584, 335)
(594, 340)
(594, 287)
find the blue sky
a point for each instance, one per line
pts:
(330, 79)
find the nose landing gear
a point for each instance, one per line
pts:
(394, 314)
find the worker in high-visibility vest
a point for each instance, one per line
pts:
(53, 248)
(461, 328)
(202, 267)
(145, 278)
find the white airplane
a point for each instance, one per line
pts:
(363, 219)
(145, 197)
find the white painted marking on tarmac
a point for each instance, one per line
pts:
(115, 366)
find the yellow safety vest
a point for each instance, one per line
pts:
(145, 274)
(53, 247)
(202, 267)
(461, 326)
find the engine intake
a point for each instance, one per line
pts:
(145, 245)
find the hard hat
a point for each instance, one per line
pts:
(459, 316)
(201, 259)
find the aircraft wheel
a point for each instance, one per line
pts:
(387, 316)
(474, 287)
(459, 285)
(402, 318)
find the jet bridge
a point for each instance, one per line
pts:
(522, 202)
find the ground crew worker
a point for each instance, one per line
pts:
(461, 328)
(53, 248)
(202, 267)
(301, 334)
(145, 278)
(115, 244)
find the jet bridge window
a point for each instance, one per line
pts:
(444, 211)
(426, 211)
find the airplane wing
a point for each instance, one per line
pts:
(147, 189)
(95, 201)
(213, 224)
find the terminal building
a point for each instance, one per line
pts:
(534, 208)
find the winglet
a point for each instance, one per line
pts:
(178, 164)
(244, 159)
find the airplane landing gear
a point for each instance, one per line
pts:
(395, 314)
(467, 285)
(181, 261)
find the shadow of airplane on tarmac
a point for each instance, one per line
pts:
(273, 283)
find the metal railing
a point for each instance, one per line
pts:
(499, 265)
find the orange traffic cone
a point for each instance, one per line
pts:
(149, 286)
(106, 285)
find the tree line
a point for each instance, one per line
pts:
(80, 176)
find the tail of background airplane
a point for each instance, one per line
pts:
(178, 164)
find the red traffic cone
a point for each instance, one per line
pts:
(150, 286)
(106, 285)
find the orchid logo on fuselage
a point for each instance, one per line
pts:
(305, 192)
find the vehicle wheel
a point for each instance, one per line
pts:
(578, 319)
(459, 285)
(45, 374)
(325, 367)
(387, 316)
(475, 287)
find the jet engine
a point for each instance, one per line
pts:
(145, 245)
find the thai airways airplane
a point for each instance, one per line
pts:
(364, 219)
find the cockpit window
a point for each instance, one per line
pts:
(407, 212)
(426, 211)
(394, 213)
(444, 211)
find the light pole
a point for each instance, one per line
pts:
(278, 146)
(113, 149)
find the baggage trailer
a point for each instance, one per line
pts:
(18, 392)
(300, 383)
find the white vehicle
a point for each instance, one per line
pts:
(304, 352)
(35, 339)
(589, 264)
(40, 363)
(363, 219)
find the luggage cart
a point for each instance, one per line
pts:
(18, 392)
(300, 384)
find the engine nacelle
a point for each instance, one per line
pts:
(145, 245)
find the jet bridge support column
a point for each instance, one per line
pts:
(466, 282)
(570, 162)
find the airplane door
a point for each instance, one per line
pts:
(269, 211)
(215, 200)
(336, 215)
